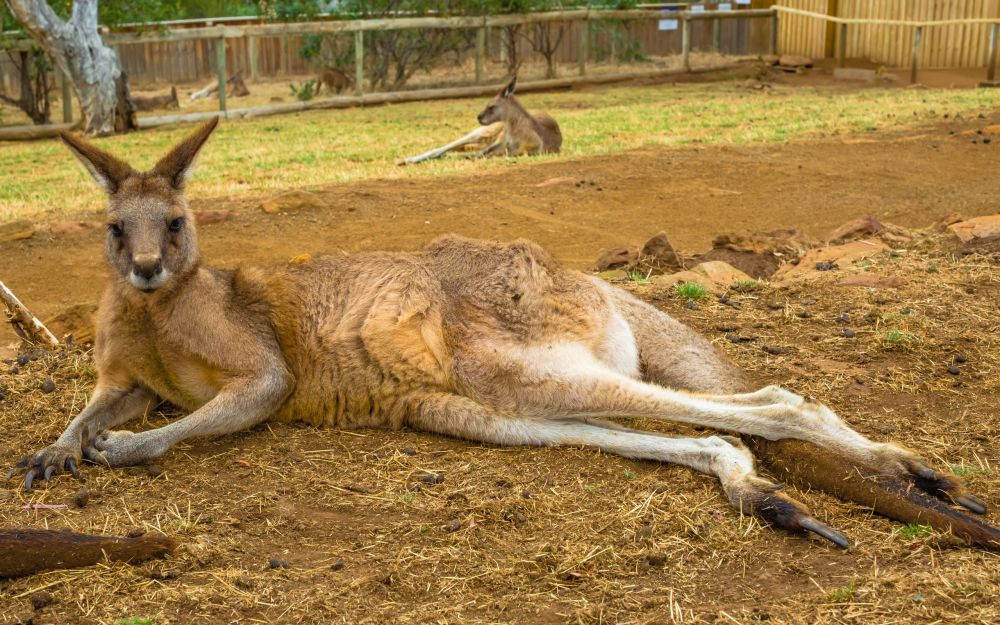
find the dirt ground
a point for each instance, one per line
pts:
(559, 535)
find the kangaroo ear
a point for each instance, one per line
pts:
(509, 89)
(108, 171)
(178, 164)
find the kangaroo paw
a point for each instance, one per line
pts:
(946, 487)
(763, 500)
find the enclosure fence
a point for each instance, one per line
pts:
(836, 28)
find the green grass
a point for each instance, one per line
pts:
(962, 470)
(843, 594)
(915, 530)
(638, 277)
(690, 290)
(745, 286)
(899, 337)
(136, 620)
(315, 148)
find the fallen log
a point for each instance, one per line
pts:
(26, 325)
(28, 551)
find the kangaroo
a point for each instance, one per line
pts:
(334, 79)
(149, 103)
(523, 132)
(486, 341)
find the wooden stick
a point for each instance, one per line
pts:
(27, 326)
(27, 551)
(478, 134)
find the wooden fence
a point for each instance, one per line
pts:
(960, 44)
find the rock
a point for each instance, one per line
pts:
(871, 281)
(291, 201)
(860, 227)
(661, 252)
(942, 224)
(841, 255)
(558, 180)
(76, 321)
(277, 563)
(715, 275)
(757, 265)
(792, 60)
(47, 386)
(854, 74)
(615, 258)
(338, 565)
(978, 231)
(203, 218)
(40, 599)
(14, 230)
(67, 226)
(82, 498)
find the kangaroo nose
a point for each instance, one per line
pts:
(147, 265)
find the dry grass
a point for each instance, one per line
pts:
(311, 149)
(551, 535)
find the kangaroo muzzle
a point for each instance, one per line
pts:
(147, 272)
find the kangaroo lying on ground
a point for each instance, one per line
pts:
(485, 341)
(150, 103)
(505, 128)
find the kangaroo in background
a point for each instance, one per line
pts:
(505, 128)
(149, 103)
(491, 342)
(523, 132)
(334, 79)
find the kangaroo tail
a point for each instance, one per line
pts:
(808, 465)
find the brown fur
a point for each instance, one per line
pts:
(334, 79)
(492, 342)
(524, 133)
(28, 551)
(149, 103)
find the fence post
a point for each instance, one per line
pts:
(252, 50)
(67, 98)
(991, 63)
(480, 53)
(220, 66)
(918, 35)
(686, 42)
(584, 44)
(773, 47)
(359, 61)
(717, 35)
(842, 54)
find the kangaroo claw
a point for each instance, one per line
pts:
(29, 477)
(974, 504)
(822, 529)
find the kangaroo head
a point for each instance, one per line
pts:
(151, 235)
(496, 110)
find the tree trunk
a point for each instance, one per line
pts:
(77, 48)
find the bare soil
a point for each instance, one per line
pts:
(559, 535)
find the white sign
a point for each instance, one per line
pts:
(697, 8)
(668, 24)
(742, 1)
(724, 6)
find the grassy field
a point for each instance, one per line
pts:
(316, 148)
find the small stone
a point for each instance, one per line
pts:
(954, 370)
(23, 360)
(691, 305)
(452, 526)
(277, 563)
(337, 566)
(40, 599)
(825, 265)
(774, 350)
(960, 358)
(14, 371)
(843, 318)
(81, 498)
(848, 333)
(804, 314)
(526, 494)
(408, 451)
(432, 478)
(48, 386)
(136, 532)
(244, 582)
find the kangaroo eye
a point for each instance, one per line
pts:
(177, 224)
(115, 229)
